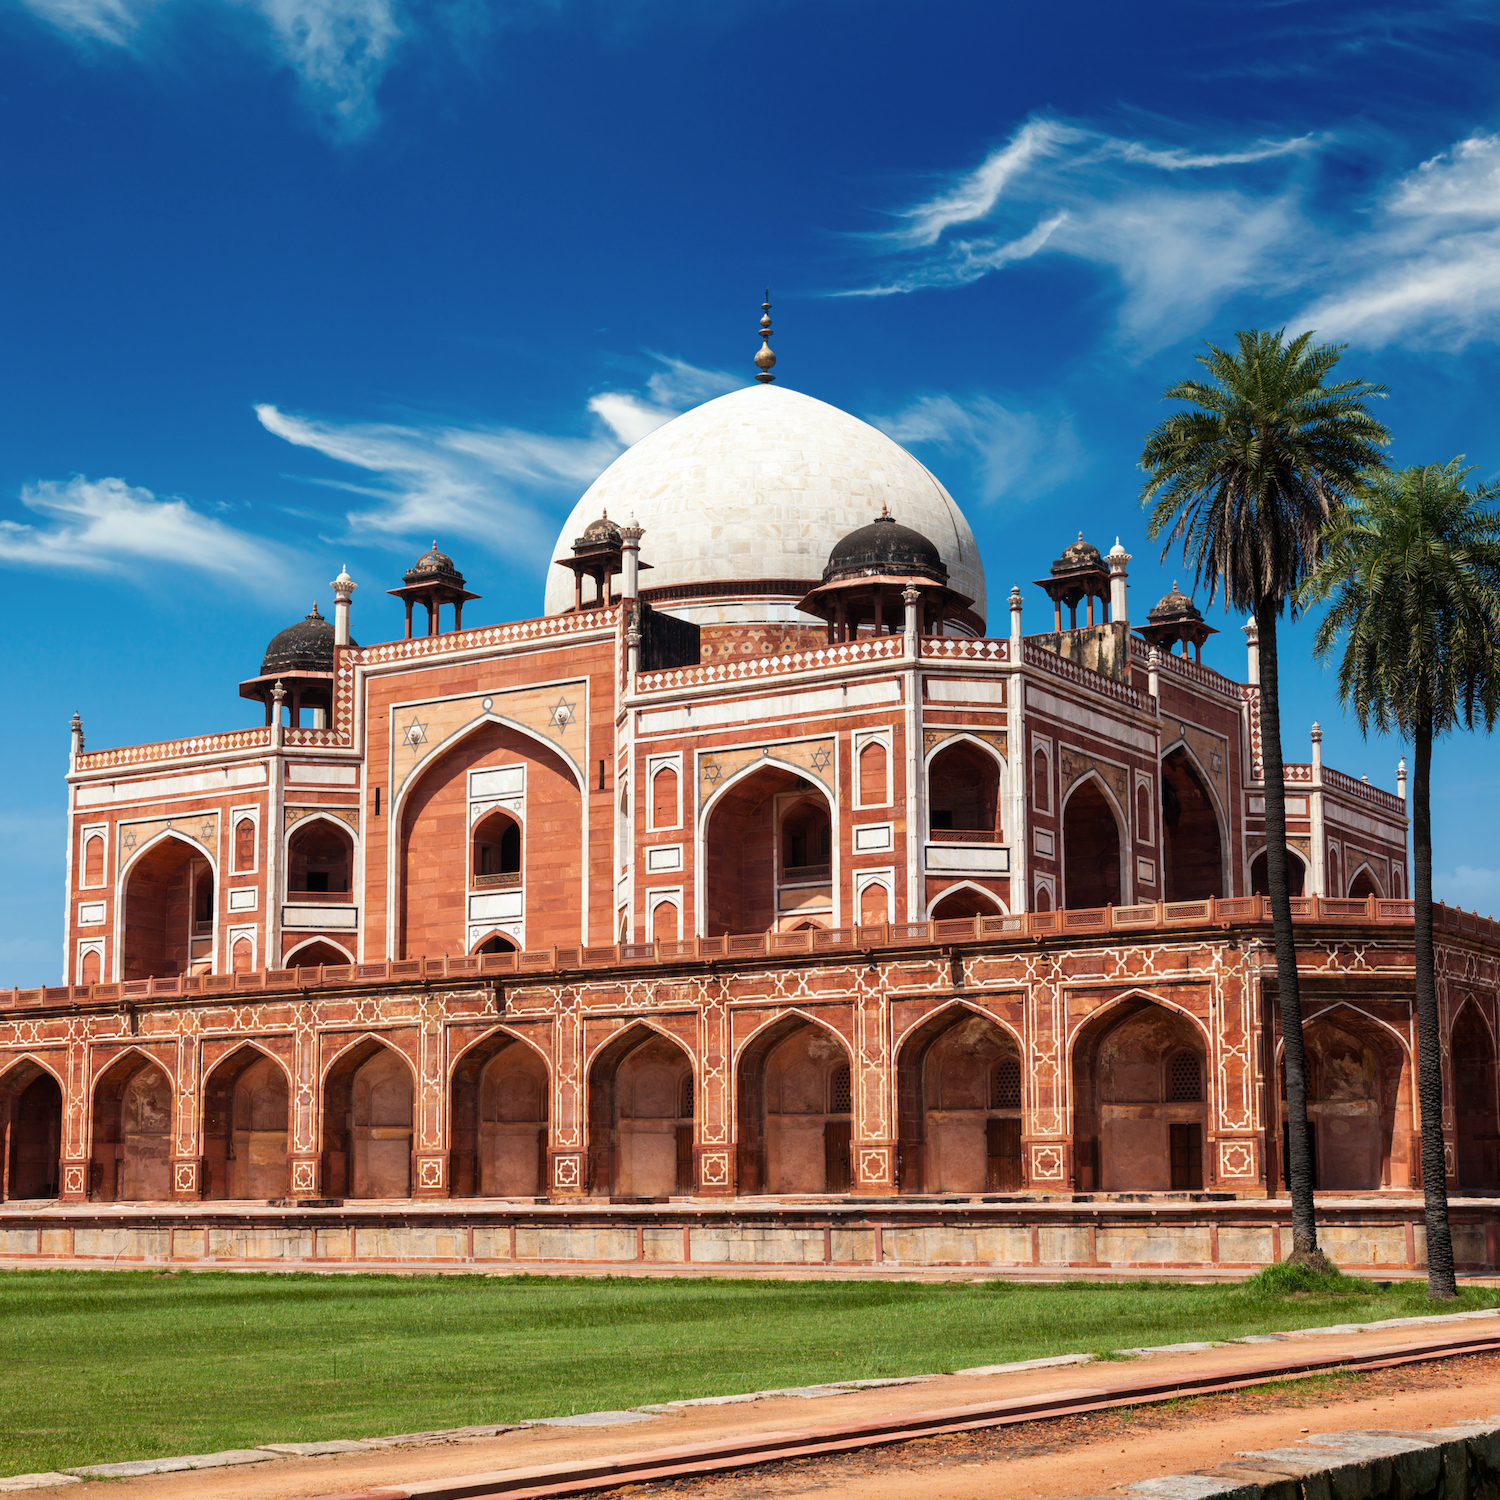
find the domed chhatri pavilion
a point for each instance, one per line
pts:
(763, 900)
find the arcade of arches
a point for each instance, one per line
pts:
(1141, 1096)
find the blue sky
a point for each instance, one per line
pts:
(290, 284)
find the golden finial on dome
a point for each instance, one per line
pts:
(765, 359)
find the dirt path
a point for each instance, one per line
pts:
(1041, 1459)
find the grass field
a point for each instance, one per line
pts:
(103, 1366)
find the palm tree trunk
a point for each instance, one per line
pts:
(1299, 1164)
(1440, 1282)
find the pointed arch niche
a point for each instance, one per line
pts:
(1091, 847)
(1192, 842)
(1140, 1100)
(367, 1123)
(31, 1113)
(958, 1089)
(245, 1115)
(433, 863)
(169, 911)
(499, 1120)
(795, 1110)
(641, 1117)
(768, 855)
(1475, 1105)
(131, 1155)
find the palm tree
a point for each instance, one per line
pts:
(1413, 569)
(1246, 479)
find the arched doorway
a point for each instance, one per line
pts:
(1474, 1101)
(245, 1116)
(1192, 852)
(641, 1117)
(169, 912)
(796, 1111)
(1357, 1086)
(499, 1121)
(497, 942)
(958, 1082)
(131, 1158)
(1260, 879)
(367, 1123)
(319, 861)
(1363, 886)
(31, 1101)
(965, 901)
(963, 793)
(1091, 848)
(1140, 1101)
(319, 953)
(769, 852)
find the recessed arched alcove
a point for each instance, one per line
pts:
(958, 1087)
(963, 793)
(31, 1100)
(131, 1155)
(795, 1115)
(1192, 849)
(169, 911)
(1476, 1108)
(1140, 1100)
(246, 1111)
(499, 1120)
(768, 854)
(368, 1110)
(640, 1102)
(1091, 848)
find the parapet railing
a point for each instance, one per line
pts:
(843, 654)
(1184, 667)
(201, 744)
(1156, 916)
(1072, 672)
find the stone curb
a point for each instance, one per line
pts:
(1461, 1462)
(266, 1452)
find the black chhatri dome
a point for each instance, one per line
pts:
(1174, 605)
(600, 533)
(885, 546)
(432, 564)
(1079, 556)
(306, 646)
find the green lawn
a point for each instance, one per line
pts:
(103, 1366)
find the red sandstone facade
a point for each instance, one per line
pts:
(594, 905)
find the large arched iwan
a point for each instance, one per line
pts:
(795, 1110)
(1192, 849)
(755, 829)
(1091, 848)
(433, 863)
(169, 911)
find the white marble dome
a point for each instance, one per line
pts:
(755, 486)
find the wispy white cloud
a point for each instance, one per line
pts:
(488, 483)
(339, 50)
(1185, 231)
(109, 526)
(1427, 270)
(1178, 229)
(1011, 452)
